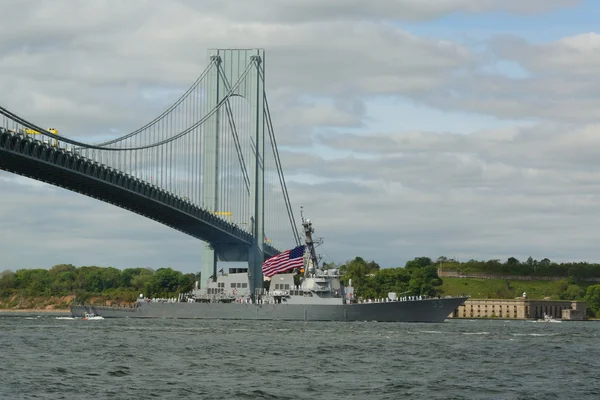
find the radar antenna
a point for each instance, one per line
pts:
(313, 262)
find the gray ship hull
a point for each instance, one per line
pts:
(429, 310)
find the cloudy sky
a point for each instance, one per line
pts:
(464, 128)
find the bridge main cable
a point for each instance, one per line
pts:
(236, 138)
(286, 197)
(44, 132)
(167, 111)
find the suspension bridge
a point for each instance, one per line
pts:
(207, 166)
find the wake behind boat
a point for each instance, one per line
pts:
(319, 296)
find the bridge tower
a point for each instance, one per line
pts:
(230, 66)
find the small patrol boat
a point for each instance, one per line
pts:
(91, 317)
(548, 318)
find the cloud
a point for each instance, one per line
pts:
(525, 185)
(290, 11)
(560, 81)
(518, 191)
(576, 55)
(523, 150)
(77, 74)
(43, 225)
(391, 223)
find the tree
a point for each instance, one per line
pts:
(373, 266)
(111, 278)
(418, 262)
(89, 279)
(141, 283)
(165, 282)
(63, 282)
(419, 277)
(423, 281)
(329, 265)
(512, 261)
(545, 263)
(7, 281)
(186, 283)
(385, 281)
(573, 292)
(62, 268)
(359, 271)
(34, 282)
(529, 261)
(592, 299)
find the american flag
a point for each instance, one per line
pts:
(285, 261)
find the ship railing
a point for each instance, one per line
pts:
(164, 300)
(399, 299)
(220, 296)
(131, 308)
(117, 308)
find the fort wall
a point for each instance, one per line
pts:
(521, 308)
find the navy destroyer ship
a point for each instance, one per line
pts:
(319, 295)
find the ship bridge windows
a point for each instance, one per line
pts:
(282, 286)
(238, 285)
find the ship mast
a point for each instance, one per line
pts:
(310, 247)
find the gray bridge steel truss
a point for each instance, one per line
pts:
(34, 159)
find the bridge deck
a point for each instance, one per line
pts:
(32, 158)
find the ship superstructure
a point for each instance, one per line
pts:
(315, 286)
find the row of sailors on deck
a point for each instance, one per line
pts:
(161, 300)
(406, 298)
(258, 301)
(411, 298)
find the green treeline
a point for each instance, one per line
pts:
(85, 282)
(530, 267)
(420, 277)
(417, 277)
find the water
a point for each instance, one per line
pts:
(42, 357)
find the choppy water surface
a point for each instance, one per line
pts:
(43, 357)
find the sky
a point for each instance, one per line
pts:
(459, 128)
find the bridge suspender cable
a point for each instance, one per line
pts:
(236, 138)
(286, 196)
(167, 111)
(44, 132)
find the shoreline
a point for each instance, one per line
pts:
(32, 310)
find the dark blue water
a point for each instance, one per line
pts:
(48, 358)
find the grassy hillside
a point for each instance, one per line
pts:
(509, 289)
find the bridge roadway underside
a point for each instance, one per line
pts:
(37, 160)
